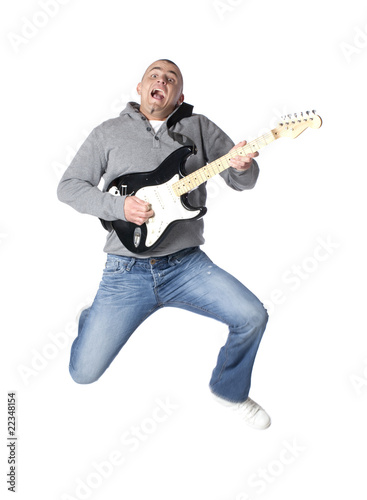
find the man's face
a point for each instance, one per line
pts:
(160, 90)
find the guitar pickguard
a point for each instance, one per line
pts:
(167, 208)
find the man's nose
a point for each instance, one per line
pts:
(162, 80)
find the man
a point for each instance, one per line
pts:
(176, 273)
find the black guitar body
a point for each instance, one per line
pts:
(155, 188)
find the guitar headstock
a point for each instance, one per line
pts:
(293, 125)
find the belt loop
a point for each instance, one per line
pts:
(172, 260)
(175, 258)
(130, 264)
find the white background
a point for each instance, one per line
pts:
(245, 63)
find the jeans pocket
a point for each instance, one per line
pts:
(114, 266)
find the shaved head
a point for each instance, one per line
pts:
(160, 89)
(156, 65)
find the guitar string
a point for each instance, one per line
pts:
(192, 178)
(189, 179)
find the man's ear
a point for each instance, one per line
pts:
(180, 100)
(138, 88)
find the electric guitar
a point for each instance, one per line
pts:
(166, 187)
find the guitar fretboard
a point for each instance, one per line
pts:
(200, 176)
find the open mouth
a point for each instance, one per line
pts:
(158, 94)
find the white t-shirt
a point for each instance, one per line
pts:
(156, 124)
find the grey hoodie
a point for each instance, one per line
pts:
(128, 144)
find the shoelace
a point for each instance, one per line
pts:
(248, 408)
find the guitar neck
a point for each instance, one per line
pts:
(202, 175)
(292, 127)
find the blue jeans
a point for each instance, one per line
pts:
(133, 289)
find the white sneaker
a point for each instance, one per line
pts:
(252, 413)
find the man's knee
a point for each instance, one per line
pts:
(264, 316)
(81, 377)
(259, 316)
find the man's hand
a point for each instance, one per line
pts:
(242, 162)
(137, 210)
